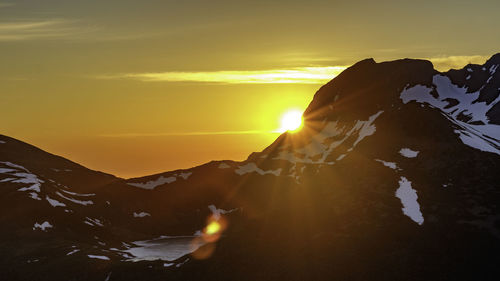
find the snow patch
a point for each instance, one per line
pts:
(6, 179)
(477, 142)
(154, 183)
(366, 128)
(22, 175)
(252, 167)
(34, 195)
(447, 90)
(81, 202)
(60, 170)
(98, 257)
(93, 222)
(408, 153)
(15, 166)
(141, 215)
(78, 194)
(493, 69)
(482, 137)
(224, 166)
(5, 171)
(72, 252)
(408, 197)
(185, 175)
(44, 226)
(54, 202)
(217, 212)
(182, 263)
(391, 165)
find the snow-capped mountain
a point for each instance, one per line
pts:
(393, 177)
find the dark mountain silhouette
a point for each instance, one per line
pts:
(393, 177)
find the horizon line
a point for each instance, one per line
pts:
(207, 133)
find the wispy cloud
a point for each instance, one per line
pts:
(298, 75)
(24, 30)
(132, 135)
(302, 75)
(27, 26)
(6, 4)
(445, 63)
(17, 30)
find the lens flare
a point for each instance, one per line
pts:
(212, 228)
(203, 246)
(204, 251)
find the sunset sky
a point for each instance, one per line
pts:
(140, 87)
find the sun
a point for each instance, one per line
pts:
(291, 121)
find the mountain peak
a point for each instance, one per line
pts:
(368, 83)
(495, 59)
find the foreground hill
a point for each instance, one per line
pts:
(393, 177)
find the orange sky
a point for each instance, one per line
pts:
(139, 87)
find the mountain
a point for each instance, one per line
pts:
(393, 177)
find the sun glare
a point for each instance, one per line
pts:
(291, 121)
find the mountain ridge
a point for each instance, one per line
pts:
(389, 179)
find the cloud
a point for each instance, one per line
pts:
(301, 75)
(25, 30)
(294, 75)
(132, 135)
(16, 30)
(456, 62)
(6, 4)
(27, 26)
